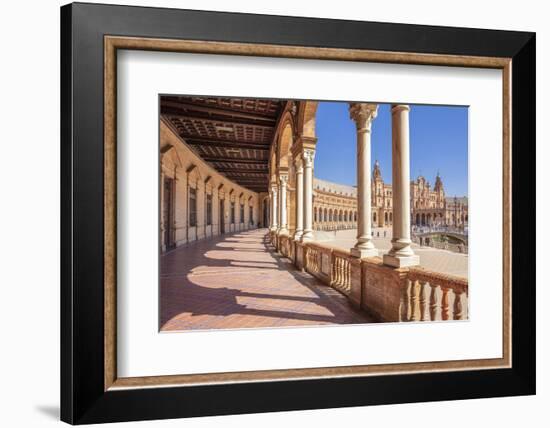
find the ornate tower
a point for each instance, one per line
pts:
(376, 174)
(440, 191)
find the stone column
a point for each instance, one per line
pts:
(299, 200)
(401, 253)
(274, 210)
(283, 227)
(308, 157)
(363, 115)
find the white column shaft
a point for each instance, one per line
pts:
(308, 157)
(299, 200)
(363, 115)
(283, 227)
(275, 210)
(401, 253)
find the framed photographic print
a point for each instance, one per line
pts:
(266, 213)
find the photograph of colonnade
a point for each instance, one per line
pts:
(279, 213)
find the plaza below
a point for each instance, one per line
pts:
(434, 259)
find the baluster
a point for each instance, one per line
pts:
(348, 274)
(459, 313)
(344, 273)
(445, 309)
(415, 310)
(345, 269)
(435, 302)
(332, 269)
(424, 301)
(406, 301)
(315, 261)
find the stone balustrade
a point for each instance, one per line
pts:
(329, 227)
(387, 293)
(318, 261)
(341, 271)
(284, 246)
(432, 296)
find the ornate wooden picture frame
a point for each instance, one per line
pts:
(91, 390)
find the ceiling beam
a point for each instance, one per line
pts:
(215, 159)
(223, 140)
(242, 170)
(226, 144)
(166, 107)
(214, 121)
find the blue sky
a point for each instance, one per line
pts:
(438, 138)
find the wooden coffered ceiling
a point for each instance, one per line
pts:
(232, 134)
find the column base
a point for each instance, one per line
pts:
(298, 236)
(403, 261)
(365, 252)
(306, 237)
(282, 232)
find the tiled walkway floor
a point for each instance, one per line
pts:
(238, 281)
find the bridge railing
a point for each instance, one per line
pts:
(429, 242)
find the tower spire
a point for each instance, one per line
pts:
(376, 173)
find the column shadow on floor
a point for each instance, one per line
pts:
(180, 294)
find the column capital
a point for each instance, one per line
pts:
(363, 114)
(308, 155)
(283, 179)
(399, 107)
(299, 165)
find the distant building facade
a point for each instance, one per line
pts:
(335, 205)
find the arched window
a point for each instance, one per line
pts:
(374, 217)
(386, 217)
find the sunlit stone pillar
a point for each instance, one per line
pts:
(308, 157)
(283, 227)
(299, 199)
(274, 210)
(363, 115)
(401, 253)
